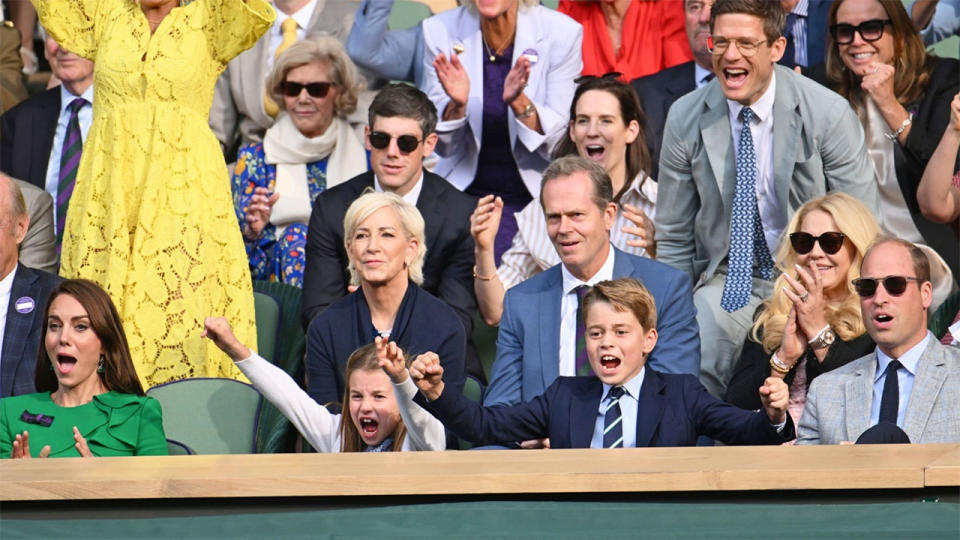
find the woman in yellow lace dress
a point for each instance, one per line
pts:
(151, 217)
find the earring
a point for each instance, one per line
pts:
(100, 365)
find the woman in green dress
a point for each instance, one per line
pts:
(90, 402)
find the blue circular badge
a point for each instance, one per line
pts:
(24, 304)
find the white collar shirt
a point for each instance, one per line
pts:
(568, 312)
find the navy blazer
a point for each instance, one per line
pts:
(423, 323)
(21, 336)
(528, 343)
(26, 137)
(657, 92)
(673, 410)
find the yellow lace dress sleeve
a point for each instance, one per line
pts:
(235, 25)
(72, 23)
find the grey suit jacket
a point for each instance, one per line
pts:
(39, 247)
(818, 147)
(838, 402)
(238, 95)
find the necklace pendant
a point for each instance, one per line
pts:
(493, 58)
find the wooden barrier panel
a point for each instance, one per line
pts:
(484, 472)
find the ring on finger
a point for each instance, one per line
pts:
(803, 297)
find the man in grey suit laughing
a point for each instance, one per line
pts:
(739, 156)
(911, 380)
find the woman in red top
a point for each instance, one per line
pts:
(632, 37)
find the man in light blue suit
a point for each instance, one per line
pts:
(911, 380)
(725, 193)
(395, 55)
(537, 341)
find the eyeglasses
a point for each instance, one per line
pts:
(315, 89)
(869, 30)
(609, 76)
(406, 143)
(830, 242)
(747, 48)
(895, 285)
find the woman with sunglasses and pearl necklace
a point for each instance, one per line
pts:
(876, 59)
(311, 147)
(812, 323)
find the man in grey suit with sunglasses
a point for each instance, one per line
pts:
(911, 380)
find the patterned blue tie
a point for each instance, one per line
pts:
(69, 161)
(613, 420)
(747, 241)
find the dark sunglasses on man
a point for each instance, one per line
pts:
(315, 89)
(406, 143)
(894, 285)
(871, 30)
(830, 242)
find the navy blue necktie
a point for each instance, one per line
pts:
(890, 399)
(613, 420)
(747, 241)
(69, 161)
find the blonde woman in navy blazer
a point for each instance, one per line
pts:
(538, 50)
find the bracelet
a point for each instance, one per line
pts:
(527, 111)
(777, 365)
(893, 136)
(483, 278)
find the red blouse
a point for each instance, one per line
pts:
(653, 37)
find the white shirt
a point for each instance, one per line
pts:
(411, 197)
(700, 75)
(302, 16)
(629, 402)
(85, 117)
(568, 313)
(905, 377)
(773, 217)
(6, 286)
(532, 251)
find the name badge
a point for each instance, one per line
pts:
(24, 304)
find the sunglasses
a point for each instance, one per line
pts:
(406, 143)
(869, 30)
(830, 242)
(609, 76)
(315, 89)
(894, 285)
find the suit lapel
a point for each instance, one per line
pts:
(549, 308)
(649, 407)
(715, 127)
(926, 387)
(18, 326)
(858, 398)
(584, 407)
(429, 204)
(786, 138)
(42, 136)
(682, 80)
(468, 34)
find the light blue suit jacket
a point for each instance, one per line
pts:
(528, 344)
(838, 402)
(389, 54)
(555, 39)
(818, 146)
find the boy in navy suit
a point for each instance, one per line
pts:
(625, 405)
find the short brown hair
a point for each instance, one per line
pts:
(625, 294)
(921, 264)
(569, 165)
(118, 374)
(770, 11)
(365, 359)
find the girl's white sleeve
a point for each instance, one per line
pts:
(424, 431)
(317, 425)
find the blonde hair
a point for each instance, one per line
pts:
(857, 223)
(365, 359)
(411, 220)
(471, 5)
(324, 49)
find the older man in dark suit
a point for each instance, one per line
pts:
(400, 134)
(23, 295)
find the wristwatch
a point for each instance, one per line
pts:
(824, 338)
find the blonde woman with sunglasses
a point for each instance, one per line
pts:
(812, 323)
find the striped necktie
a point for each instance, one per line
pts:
(289, 30)
(582, 361)
(69, 161)
(613, 419)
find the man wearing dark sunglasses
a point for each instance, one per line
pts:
(911, 380)
(739, 156)
(400, 134)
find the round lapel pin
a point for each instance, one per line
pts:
(24, 304)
